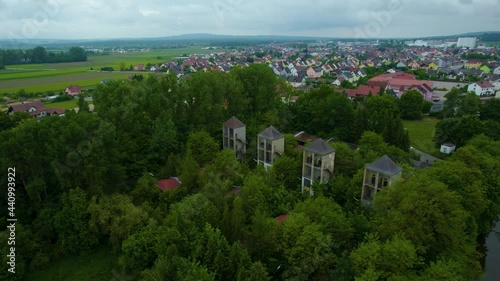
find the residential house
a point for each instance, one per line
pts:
(35, 109)
(400, 82)
(270, 145)
(297, 81)
(234, 136)
(317, 164)
(433, 66)
(484, 88)
(378, 175)
(496, 70)
(169, 184)
(401, 65)
(139, 67)
(153, 68)
(363, 91)
(314, 72)
(473, 64)
(73, 90)
(448, 148)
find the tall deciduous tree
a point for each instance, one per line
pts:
(411, 104)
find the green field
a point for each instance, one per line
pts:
(100, 265)
(70, 104)
(421, 134)
(57, 76)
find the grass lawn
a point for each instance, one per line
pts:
(99, 265)
(69, 104)
(421, 134)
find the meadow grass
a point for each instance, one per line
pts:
(69, 104)
(421, 134)
(99, 265)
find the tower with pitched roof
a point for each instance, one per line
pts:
(270, 145)
(378, 175)
(317, 164)
(234, 136)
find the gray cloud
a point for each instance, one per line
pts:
(152, 18)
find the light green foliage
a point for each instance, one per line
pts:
(203, 147)
(427, 213)
(117, 217)
(305, 247)
(330, 217)
(392, 260)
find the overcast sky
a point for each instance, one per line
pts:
(89, 19)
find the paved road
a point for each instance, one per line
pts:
(426, 157)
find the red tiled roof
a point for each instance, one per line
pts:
(282, 218)
(26, 106)
(234, 123)
(485, 84)
(57, 111)
(170, 184)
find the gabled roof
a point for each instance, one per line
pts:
(169, 184)
(320, 147)
(385, 165)
(234, 123)
(271, 134)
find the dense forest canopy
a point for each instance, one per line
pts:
(40, 55)
(89, 179)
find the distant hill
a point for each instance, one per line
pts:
(207, 39)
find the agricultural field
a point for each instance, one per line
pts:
(421, 134)
(57, 76)
(69, 104)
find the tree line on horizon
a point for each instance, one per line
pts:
(40, 55)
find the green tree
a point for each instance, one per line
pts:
(491, 110)
(202, 146)
(411, 105)
(396, 259)
(306, 249)
(83, 106)
(425, 212)
(39, 55)
(72, 223)
(117, 217)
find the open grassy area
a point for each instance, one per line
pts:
(421, 134)
(100, 265)
(59, 83)
(69, 104)
(57, 76)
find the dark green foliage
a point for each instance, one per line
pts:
(40, 55)
(411, 105)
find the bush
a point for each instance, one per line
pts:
(62, 98)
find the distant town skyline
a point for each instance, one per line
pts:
(95, 19)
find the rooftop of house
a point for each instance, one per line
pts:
(271, 133)
(234, 123)
(169, 184)
(384, 165)
(282, 218)
(320, 147)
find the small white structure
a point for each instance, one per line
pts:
(448, 148)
